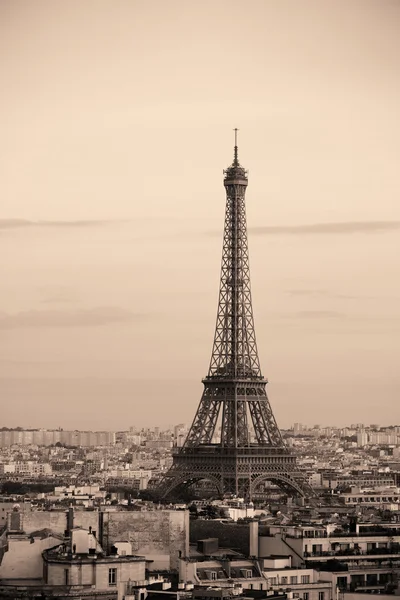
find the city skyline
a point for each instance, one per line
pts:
(112, 205)
(304, 427)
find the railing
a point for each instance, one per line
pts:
(374, 533)
(353, 553)
(392, 550)
(393, 564)
(346, 534)
(306, 537)
(248, 378)
(226, 451)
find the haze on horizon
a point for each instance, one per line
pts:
(116, 122)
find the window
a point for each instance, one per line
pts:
(213, 575)
(112, 578)
(284, 580)
(306, 596)
(247, 573)
(293, 580)
(305, 579)
(66, 576)
(321, 595)
(345, 546)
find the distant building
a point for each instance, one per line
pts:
(362, 439)
(80, 494)
(385, 498)
(48, 437)
(365, 438)
(297, 428)
(362, 480)
(159, 444)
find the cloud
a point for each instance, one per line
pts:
(328, 228)
(346, 323)
(317, 293)
(74, 318)
(20, 223)
(58, 295)
(307, 292)
(317, 314)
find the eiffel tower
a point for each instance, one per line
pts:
(234, 440)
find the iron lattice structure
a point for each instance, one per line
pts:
(234, 440)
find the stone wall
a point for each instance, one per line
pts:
(158, 535)
(55, 521)
(86, 519)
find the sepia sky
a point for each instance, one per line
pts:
(116, 121)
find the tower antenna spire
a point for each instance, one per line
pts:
(235, 158)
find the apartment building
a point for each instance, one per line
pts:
(307, 584)
(386, 498)
(254, 575)
(363, 558)
(222, 573)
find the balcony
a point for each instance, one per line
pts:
(352, 553)
(373, 532)
(318, 535)
(392, 564)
